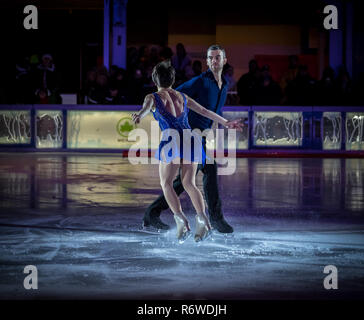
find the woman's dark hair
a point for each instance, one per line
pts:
(163, 74)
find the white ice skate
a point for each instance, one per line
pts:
(183, 232)
(202, 231)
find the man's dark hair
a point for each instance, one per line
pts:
(163, 74)
(216, 47)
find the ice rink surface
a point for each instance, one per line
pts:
(77, 219)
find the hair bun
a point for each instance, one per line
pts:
(163, 74)
(165, 64)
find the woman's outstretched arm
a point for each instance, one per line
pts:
(147, 107)
(194, 106)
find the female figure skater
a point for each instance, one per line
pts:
(169, 108)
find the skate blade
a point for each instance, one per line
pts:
(219, 235)
(185, 236)
(207, 236)
(152, 230)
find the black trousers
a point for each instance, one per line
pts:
(210, 188)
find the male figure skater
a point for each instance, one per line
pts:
(209, 89)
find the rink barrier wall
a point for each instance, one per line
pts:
(303, 131)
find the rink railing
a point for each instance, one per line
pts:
(269, 130)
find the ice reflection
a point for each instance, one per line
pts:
(332, 183)
(287, 186)
(109, 181)
(15, 189)
(49, 183)
(354, 186)
(276, 183)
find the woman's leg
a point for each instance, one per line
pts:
(188, 175)
(167, 173)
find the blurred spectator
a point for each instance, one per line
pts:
(166, 53)
(196, 68)
(113, 71)
(228, 72)
(132, 58)
(148, 84)
(325, 89)
(154, 57)
(34, 60)
(180, 61)
(247, 85)
(37, 81)
(291, 72)
(120, 82)
(143, 58)
(44, 80)
(344, 88)
(232, 97)
(115, 96)
(42, 96)
(102, 70)
(269, 92)
(300, 91)
(98, 94)
(90, 84)
(22, 78)
(359, 90)
(135, 87)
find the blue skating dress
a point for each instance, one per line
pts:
(177, 140)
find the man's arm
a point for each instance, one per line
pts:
(147, 107)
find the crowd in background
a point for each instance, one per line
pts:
(120, 86)
(297, 87)
(38, 81)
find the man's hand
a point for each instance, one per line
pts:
(135, 117)
(235, 124)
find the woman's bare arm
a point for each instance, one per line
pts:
(147, 107)
(194, 106)
(232, 124)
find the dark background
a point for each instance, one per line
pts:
(68, 29)
(72, 31)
